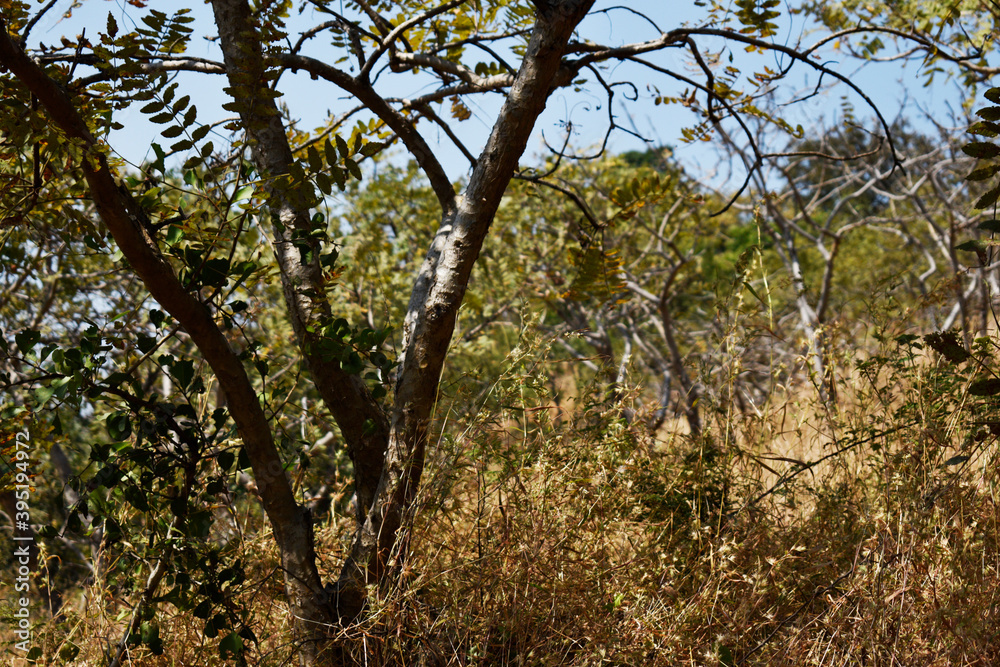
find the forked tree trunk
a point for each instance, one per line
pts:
(438, 292)
(392, 452)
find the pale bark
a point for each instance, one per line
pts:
(438, 292)
(392, 453)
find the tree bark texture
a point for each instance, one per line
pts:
(361, 420)
(388, 451)
(128, 226)
(438, 293)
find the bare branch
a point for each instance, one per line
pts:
(444, 66)
(397, 32)
(574, 197)
(23, 42)
(408, 134)
(428, 112)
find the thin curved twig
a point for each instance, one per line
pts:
(34, 20)
(398, 31)
(574, 197)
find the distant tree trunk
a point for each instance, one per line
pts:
(809, 321)
(691, 396)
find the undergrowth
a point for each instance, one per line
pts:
(547, 535)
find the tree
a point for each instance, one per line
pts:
(191, 248)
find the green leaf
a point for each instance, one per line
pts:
(246, 192)
(160, 156)
(331, 152)
(200, 524)
(199, 133)
(372, 148)
(315, 161)
(989, 113)
(203, 610)
(215, 272)
(993, 95)
(174, 235)
(225, 459)
(971, 246)
(338, 176)
(955, 460)
(297, 173)
(345, 152)
(145, 343)
(136, 498)
(183, 372)
(981, 149)
(983, 173)
(119, 426)
(988, 199)
(985, 128)
(947, 344)
(354, 364)
(353, 167)
(324, 183)
(43, 394)
(750, 289)
(25, 340)
(985, 387)
(231, 645)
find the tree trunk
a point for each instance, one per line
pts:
(389, 451)
(129, 226)
(361, 420)
(438, 292)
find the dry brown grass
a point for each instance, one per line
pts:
(547, 538)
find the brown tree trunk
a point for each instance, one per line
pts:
(361, 420)
(129, 226)
(393, 451)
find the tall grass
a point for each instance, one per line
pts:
(556, 532)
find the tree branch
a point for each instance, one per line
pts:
(398, 31)
(125, 220)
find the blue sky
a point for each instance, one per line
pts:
(310, 101)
